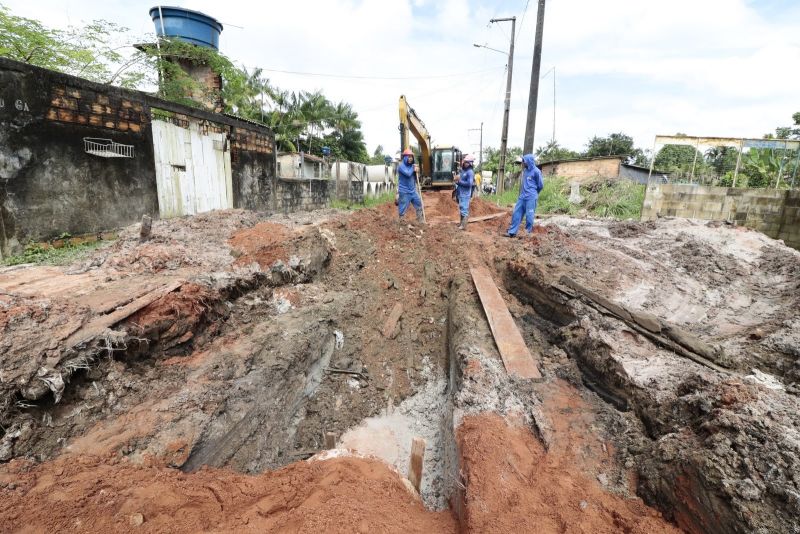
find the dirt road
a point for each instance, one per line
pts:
(187, 383)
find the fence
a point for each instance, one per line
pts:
(727, 162)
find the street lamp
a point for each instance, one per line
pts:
(476, 45)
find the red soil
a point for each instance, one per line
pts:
(88, 494)
(513, 485)
(440, 207)
(264, 243)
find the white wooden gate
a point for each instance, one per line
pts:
(193, 170)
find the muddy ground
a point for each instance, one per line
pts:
(187, 383)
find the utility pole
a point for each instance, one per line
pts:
(501, 170)
(533, 96)
(480, 153)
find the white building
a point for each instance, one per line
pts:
(302, 165)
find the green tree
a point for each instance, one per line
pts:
(722, 158)
(552, 151)
(491, 158)
(377, 156)
(679, 159)
(91, 52)
(790, 132)
(615, 144)
(300, 120)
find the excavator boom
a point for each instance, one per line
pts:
(437, 164)
(410, 122)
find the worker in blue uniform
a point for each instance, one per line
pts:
(532, 185)
(464, 182)
(407, 187)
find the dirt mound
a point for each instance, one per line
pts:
(180, 243)
(174, 319)
(623, 229)
(264, 243)
(249, 370)
(87, 494)
(513, 485)
(440, 206)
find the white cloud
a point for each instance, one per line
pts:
(701, 67)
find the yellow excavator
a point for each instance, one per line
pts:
(437, 164)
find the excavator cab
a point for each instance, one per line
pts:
(437, 165)
(446, 161)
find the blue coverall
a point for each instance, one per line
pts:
(464, 190)
(532, 185)
(407, 187)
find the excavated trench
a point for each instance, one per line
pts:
(225, 372)
(685, 436)
(271, 391)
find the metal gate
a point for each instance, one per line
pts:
(193, 170)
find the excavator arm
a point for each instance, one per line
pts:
(410, 122)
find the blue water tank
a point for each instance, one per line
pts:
(190, 26)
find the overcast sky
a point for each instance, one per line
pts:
(701, 67)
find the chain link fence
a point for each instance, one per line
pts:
(727, 162)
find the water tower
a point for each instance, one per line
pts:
(200, 30)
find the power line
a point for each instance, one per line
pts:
(361, 77)
(522, 20)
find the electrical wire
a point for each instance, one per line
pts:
(522, 20)
(361, 77)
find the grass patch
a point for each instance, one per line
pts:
(46, 254)
(620, 199)
(554, 198)
(507, 198)
(369, 202)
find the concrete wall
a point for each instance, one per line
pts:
(50, 185)
(294, 194)
(253, 168)
(773, 212)
(583, 170)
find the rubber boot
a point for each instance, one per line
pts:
(463, 224)
(420, 218)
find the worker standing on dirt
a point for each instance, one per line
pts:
(530, 188)
(407, 187)
(464, 182)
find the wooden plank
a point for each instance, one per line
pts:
(517, 359)
(98, 324)
(483, 218)
(668, 335)
(415, 462)
(390, 326)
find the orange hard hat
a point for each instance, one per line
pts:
(407, 152)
